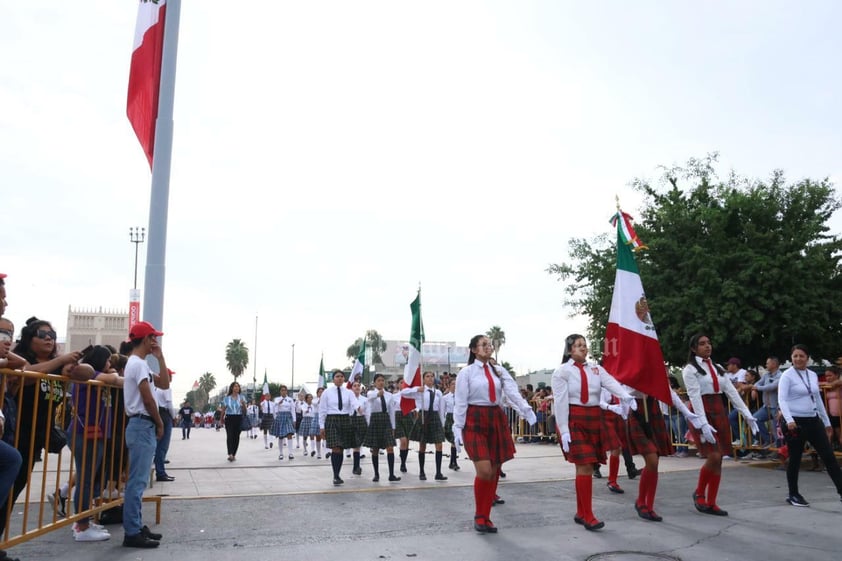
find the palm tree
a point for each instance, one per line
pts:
(207, 382)
(373, 341)
(498, 338)
(509, 368)
(236, 357)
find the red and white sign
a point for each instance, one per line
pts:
(134, 307)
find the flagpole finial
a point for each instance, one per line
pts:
(617, 201)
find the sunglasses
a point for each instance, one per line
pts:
(44, 333)
(6, 336)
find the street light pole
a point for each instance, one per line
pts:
(292, 384)
(136, 236)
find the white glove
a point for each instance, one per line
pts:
(696, 420)
(457, 436)
(632, 403)
(708, 433)
(752, 423)
(618, 410)
(531, 418)
(565, 441)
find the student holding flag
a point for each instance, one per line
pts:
(429, 422)
(480, 423)
(381, 427)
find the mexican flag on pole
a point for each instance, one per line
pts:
(632, 351)
(412, 370)
(359, 364)
(145, 72)
(322, 375)
(266, 395)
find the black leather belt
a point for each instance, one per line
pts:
(139, 416)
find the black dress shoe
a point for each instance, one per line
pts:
(498, 500)
(145, 531)
(597, 474)
(139, 540)
(597, 525)
(337, 481)
(403, 469)
(632, 471)
(357, 471)
(716, 511)
(164, 477)
(422, 476)
(441, 477)
(699, 506)
(479, 525)
(647, 514)
(394, 478)
(578, 520)
(376, 478)
(490, 527)
(614, 488)
(502, 474)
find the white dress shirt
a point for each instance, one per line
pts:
(472, 389)
(329, 403)
(287, 404)
(375, 404)
(567, 389)
(267, 407)
(422, 400)
(698, 385)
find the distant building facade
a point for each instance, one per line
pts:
(95, 327)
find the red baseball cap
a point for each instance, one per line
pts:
(142, 329)
(3, 275)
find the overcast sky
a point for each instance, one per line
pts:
(330, 156)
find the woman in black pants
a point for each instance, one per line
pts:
(806, 421)
(233, 409)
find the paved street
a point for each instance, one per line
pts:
(259, 508)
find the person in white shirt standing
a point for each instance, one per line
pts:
(284, 425)
(806, 419)
(267, 419)
(143, 428)
(334, 421)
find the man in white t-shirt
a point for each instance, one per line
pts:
(143, 428)
(736, 373)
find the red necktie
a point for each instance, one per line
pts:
(713, 376)
(492, 394)
(584, 376)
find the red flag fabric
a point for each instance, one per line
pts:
(145, 73)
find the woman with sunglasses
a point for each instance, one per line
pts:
(706, 383)
(480, 423)
(37, 346)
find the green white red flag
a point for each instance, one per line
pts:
(412, 370)
(632, 351)
(359, 365)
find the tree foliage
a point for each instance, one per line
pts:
(374, 342)
(236, 357)
(497, 337)
(749, 262)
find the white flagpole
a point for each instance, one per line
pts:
(153, 305)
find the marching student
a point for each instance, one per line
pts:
(309, 428)
(334, 422)
(316, 401)
(577, 387)
(358, 422)
(481, 424)
(283, 427)
(252, 411)
(403, 426)
(429, 422)
(267, 418)
(615, 426)
(449, 402)
(381, 427)
(705, 383)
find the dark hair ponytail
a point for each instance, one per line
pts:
(473, 345)
(568, 345)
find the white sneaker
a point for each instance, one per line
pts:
(94, 525)
(91, 534)
(736, 443)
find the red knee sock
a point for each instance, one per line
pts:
(584, 492)
(643, 488)
(713, 488)
(484, 496)
(651, 487)
(613, 468)
(704, 479)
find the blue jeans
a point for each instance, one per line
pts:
(163, 444)
(10, 462)
(763, 416)
(88, 482)
(734, 420)
(140, 440)
(678, 426)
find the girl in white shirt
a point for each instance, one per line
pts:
(358, 421)
(309, 427)
(705, 383)
(429, 422)
(449, 402)
(283, 428)
(806, 419)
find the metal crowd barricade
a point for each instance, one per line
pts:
(37, 517)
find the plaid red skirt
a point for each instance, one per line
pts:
(615, 429)
(717, 418)
(487, 435)
(588, 435)
(650, 437)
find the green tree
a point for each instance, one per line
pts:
(374, 342)
(750, 262)
(236, 357)
(497, 337)
(207, 382)
(509, 367)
